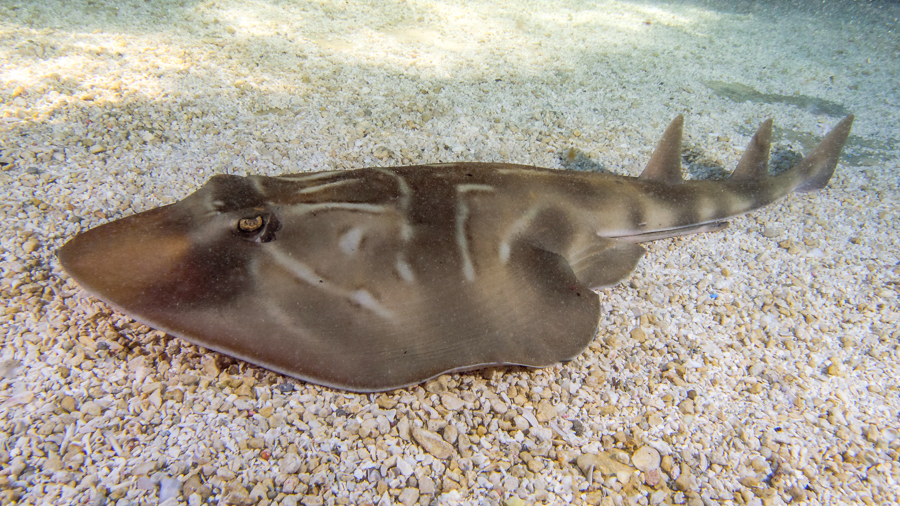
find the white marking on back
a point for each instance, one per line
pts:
(462, 216)
(462, 188)
(311, 176)
(307, 275)
(524, 172)
(300, 270)
(504, 252)
(514, 231)
(258, 185)
(707, 208)
(404, 269)
(349, 242)
(324, 186)
(301, 209)
(406, 230)
(366, 300)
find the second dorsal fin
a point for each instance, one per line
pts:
(665, 163)
(755, 162)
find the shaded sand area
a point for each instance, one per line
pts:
(758, 365)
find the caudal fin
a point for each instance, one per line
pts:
(816, 169)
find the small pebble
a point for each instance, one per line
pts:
(686, 482)
(91, 408)
(409, 496)
(30, 246)
(452, 402)
(773, 231)
(603, 464)
(432, 443)
(235, 493)
(646, 458)
(290, 463)
(67, 404)
(169, 488)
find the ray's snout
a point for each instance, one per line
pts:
(125, 261)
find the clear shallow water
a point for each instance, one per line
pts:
(107, 109)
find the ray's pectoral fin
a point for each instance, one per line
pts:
(605, 262)
(540, 311)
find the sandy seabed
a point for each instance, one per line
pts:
(753, 366)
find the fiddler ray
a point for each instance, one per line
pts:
(379, 278)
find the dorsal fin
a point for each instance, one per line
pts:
(755, 162)
(665, 164)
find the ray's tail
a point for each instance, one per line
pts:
(684, 207)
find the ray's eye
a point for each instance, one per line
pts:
(259, 228)
(250, 225)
